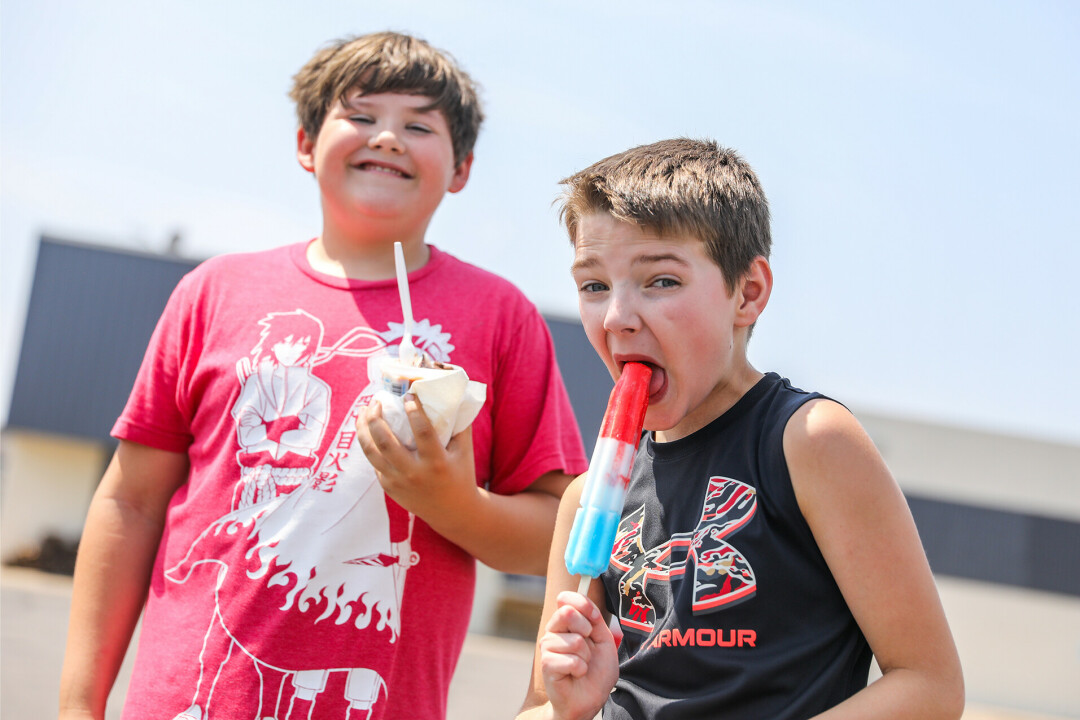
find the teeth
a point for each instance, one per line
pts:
(380, 168)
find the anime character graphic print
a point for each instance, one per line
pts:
(308, 542)
(282, 410)
(722, 576)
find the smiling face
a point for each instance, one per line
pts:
(662, 301)
(383, 164)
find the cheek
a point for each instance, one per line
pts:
(592, 320)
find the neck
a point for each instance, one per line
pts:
(372, 260)
(720, 400)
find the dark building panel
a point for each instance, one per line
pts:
(90, 315)
(92, 311)
(999, 546)
(587, 379)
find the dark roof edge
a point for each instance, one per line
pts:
(47, 238)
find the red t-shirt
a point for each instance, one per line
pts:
(286, 580)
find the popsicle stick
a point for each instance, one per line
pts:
(583, 585)
(406, 351)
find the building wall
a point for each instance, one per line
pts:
(999, 516)
(986, 469)
(45, 488)
(1020, 647)
(1019, 644)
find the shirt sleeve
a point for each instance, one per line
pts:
(153, 414)
(534, 430)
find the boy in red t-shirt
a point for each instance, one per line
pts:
(296, 560)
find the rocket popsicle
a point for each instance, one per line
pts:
(592, 536)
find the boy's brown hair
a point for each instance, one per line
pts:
(679, 186)
(389, 62)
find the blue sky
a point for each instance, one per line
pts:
(920, 159)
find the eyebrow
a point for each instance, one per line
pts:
(650, 259)
(358, 103)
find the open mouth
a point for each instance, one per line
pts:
(385, 169)
(657, 381)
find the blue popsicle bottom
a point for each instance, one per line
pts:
(591, 539)
(592, 536)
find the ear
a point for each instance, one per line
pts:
(754, 290)
(461, 175)
(305, 150)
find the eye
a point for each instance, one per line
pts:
(419, 128)
(593, 287)
(363, 119)
(665, 282)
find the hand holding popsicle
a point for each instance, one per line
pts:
(592, 536)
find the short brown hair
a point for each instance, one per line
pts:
(679, 186)
(388, 62)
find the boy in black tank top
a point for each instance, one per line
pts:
(765, 551)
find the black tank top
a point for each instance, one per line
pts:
(727, 605)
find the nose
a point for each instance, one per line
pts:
(621, 316)
(386, 140)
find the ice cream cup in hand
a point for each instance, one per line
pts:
(449, 398)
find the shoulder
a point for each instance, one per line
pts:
(224, 271)
(476, 279)
(832, 461)
(227, 265)
(229, 262)
(820, 425)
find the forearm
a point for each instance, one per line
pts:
(510, 533)
(904, 693)
(112, 572)
(536, 712)
(110, 584)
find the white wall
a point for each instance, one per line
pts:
(45, 488)
(1019, 648)
(977, 468)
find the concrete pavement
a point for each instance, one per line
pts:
(489, 684)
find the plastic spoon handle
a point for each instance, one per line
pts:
(406, 351)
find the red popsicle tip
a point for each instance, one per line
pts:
(626, 408)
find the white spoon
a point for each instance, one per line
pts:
(406, 351)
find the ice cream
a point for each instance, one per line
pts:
(593, 533)
(449, 398)
(397, 376)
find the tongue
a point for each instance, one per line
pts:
(657, 381)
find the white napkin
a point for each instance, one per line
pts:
(450, 399)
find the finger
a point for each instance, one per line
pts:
(567, 643)
(555, 665)
(366, 414)
(427, 441)
(570, 648)
(461, 444)
(585, 606)
(364, 418)
(586, 609)
(569, 620)
(383, 449)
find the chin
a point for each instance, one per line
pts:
(656, 422)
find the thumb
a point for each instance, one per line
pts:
(462, 443)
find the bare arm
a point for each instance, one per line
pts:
(112, 571)
(511, 533)
(862, 524)
(575, 664)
